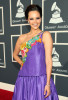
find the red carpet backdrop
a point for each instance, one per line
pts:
(13, 24)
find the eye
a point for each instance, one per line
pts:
(38, 18)
(31, 18)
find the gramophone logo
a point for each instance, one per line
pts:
(17, 12)
(55, 58)
(20, 10)
(56, 15)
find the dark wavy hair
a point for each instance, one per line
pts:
(33, 7)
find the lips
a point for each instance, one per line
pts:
(35, 24)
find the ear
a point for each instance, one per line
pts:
(28, 21)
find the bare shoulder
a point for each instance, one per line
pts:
(22, 38)
(46, 36)
(46, 33)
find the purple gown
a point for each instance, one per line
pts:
(32, 76)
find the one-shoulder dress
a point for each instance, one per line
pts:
(32, 76)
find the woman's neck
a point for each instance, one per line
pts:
(35, 31)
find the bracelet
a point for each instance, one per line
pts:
(48, 84)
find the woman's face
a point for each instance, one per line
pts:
(34, 19)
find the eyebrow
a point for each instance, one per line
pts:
(36, 17)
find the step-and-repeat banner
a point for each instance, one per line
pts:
(13, 24)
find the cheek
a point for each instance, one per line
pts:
(31, 21)
(39, 21)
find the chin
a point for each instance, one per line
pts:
(35, 28)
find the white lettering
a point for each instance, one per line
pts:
(14, 21)
(60, 70)
(50, 27)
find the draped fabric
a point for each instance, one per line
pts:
(32, 77)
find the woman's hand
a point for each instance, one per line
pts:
(47, 88)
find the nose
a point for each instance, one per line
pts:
(35, 20)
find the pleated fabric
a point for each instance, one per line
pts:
(32, 88)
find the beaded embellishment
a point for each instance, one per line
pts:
(28, 45)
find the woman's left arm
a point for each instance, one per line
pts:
(48, 45)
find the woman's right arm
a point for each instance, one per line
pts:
(17, 50)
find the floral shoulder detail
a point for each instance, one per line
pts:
(28, 45)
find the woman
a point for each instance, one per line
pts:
(34, 80)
